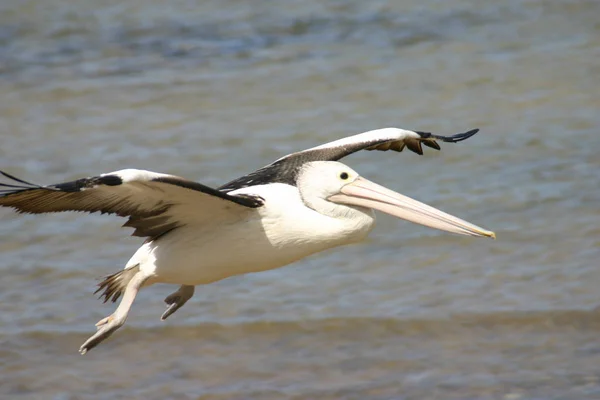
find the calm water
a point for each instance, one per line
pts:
(211, 90)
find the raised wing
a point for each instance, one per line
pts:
(155, 203)
(382, 139)
(285, 169)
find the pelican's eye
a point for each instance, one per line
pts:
(344, 176)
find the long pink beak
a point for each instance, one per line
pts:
(365, 193)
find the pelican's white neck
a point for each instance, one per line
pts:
(288, 218)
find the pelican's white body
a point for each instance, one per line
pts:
(303, 203)
(281, 232)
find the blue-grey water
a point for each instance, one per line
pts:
(211, 90)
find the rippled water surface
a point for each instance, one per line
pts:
(211, 90)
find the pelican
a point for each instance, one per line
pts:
(300, 204)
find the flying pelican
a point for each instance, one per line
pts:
(301, 204)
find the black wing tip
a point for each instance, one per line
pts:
(16, 185)
(14, 178)
(459, 137)
(463, 136)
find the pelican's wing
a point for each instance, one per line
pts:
(380, 139)
(155, 203)
(286, 168)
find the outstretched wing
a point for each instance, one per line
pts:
(155, 203)
(285, 169)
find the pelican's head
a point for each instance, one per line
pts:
(334, 189)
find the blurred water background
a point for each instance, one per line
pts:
(211, 90)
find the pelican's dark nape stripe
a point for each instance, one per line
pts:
(284, 171)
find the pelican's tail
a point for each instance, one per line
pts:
(114, 285)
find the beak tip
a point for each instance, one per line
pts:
(491, 235)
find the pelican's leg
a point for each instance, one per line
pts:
(110, 324)
(177, 299)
